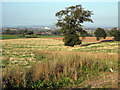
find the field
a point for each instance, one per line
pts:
(19, 36)
(87, 39)
(47, 63)
(10, 36)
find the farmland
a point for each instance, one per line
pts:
(47, 63)
(20, 36)
(10, 37)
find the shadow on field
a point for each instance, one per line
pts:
(96, 42)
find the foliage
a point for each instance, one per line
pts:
(100, 33)
(31, 36)
(70, 22)
(7, 32)
(117, 36)
(83, 34)
(30, 32)
(112, 32)
(55, 32)
(115, 33)
(25, 31)
(15, 32)
(20, 32)
(71, 40)
(34, 35)
(12, 32)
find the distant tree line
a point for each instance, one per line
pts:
(13, 32)
(30, 32)
(98, 33)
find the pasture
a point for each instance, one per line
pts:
(10, 37)
(20, 36)
(47, 63)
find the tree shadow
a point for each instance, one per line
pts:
(96, 43)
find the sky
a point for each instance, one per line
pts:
(59, 0)
(43, 13)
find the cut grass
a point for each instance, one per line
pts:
(47, 63)
(57, 45)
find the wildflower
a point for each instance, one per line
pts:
(111, 70)
(110, 62)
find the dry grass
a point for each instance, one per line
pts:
(50, 61)
(93, 39)
(87, 39)
(60, 65)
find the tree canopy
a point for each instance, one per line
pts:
(100, 33)
(115, 33)
(70, 21)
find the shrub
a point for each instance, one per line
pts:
(34, 36)
(27, 36)
(29, 32)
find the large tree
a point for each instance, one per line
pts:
(70, 21)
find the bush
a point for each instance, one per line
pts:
(71, 40)
(27, 36)
(30, 32)
(33, 36)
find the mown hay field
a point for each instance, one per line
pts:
(87, 39)
(47, 63)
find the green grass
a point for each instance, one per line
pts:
(10, 37)
(48, 36)
(19, 36)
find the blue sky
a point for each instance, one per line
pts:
(43, 13)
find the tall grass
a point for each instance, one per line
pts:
(61, 69)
